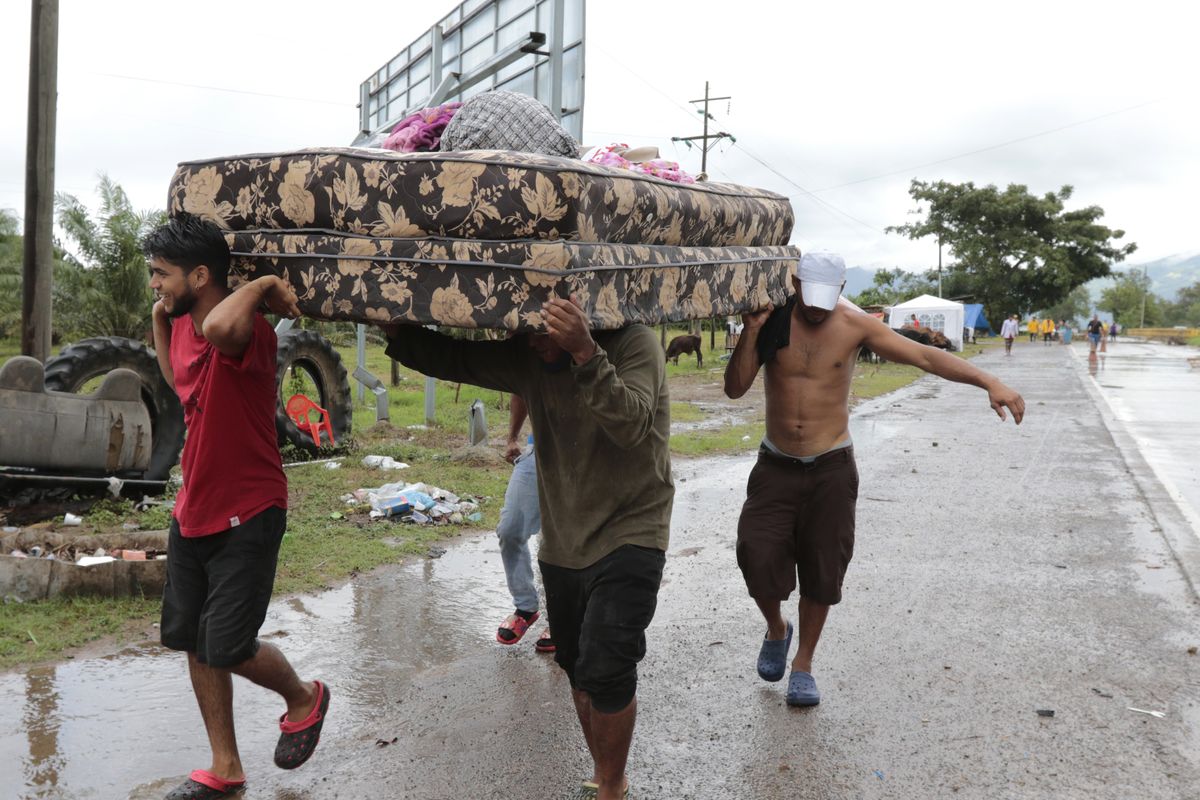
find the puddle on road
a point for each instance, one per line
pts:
(126, 725)
(95, 728)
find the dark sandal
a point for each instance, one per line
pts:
(203, 785)
(545, 643)
(298, 740)
(513, 629)
(589, 791)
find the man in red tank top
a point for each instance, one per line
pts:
(218, 353)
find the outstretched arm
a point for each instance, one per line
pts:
(490, 364)
(890, 345)
(743, 364)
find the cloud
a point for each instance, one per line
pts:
(827, 95)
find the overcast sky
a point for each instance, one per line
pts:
(845, 102)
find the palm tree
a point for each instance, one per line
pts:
(110, 294)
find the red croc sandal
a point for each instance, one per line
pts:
(545, 643)
(298, 740)
(203, 785)
(515, 626)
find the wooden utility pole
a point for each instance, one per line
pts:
(38, 265)
(705, 146)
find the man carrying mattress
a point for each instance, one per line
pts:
(798, 518)
(218, 353)
(600, 414)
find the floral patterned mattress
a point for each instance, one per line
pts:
(478, 194)
(471, 283)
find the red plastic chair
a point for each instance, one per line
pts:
(298, 407)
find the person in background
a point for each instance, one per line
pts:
(1047, 328)
(1008, 332)
(520, 518)
(1032, 328)
(1113, 330)
(1095, 330)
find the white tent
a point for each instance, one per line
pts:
(934, 313)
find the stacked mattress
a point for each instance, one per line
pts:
(482, 238)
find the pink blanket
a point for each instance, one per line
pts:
(422, 131)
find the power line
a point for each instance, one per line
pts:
(622, 65)
(1018, 140)
(809, 194)
(223, 89)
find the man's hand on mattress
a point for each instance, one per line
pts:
(756, 319)
(568, 328)
(280, 298)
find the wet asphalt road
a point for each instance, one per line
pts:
(999, 570)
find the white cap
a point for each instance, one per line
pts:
(821, 275)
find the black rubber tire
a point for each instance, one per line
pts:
(91, 358)
(321, 361)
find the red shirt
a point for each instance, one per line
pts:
(231, 465)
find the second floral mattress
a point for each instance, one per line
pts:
(503, 284)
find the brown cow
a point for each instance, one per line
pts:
(681, 345)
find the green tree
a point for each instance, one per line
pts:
(1075, 307)
(110, 295)
(1125, 297)
(1186, 308)
(12, 254)
(1017, 251)
(10, 274)
(892, 286)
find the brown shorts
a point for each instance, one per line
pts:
(798, 522)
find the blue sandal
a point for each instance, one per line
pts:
(802, 690)
(772, 657)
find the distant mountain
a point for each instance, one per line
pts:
(1168, 275)
(857, 279)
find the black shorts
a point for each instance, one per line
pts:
(218, 588)
(598, 616)
(798, 523)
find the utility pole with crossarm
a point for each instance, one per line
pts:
(705, 146)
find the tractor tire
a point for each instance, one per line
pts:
(314, 355)
(91, 358)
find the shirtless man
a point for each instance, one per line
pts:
(798, 519)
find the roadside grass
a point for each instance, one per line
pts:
(725, 440)
(328, 541)
(33, 632)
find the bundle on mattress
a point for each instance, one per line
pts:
(503, 284)
(477, 194)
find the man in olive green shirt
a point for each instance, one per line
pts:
(601, 422)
